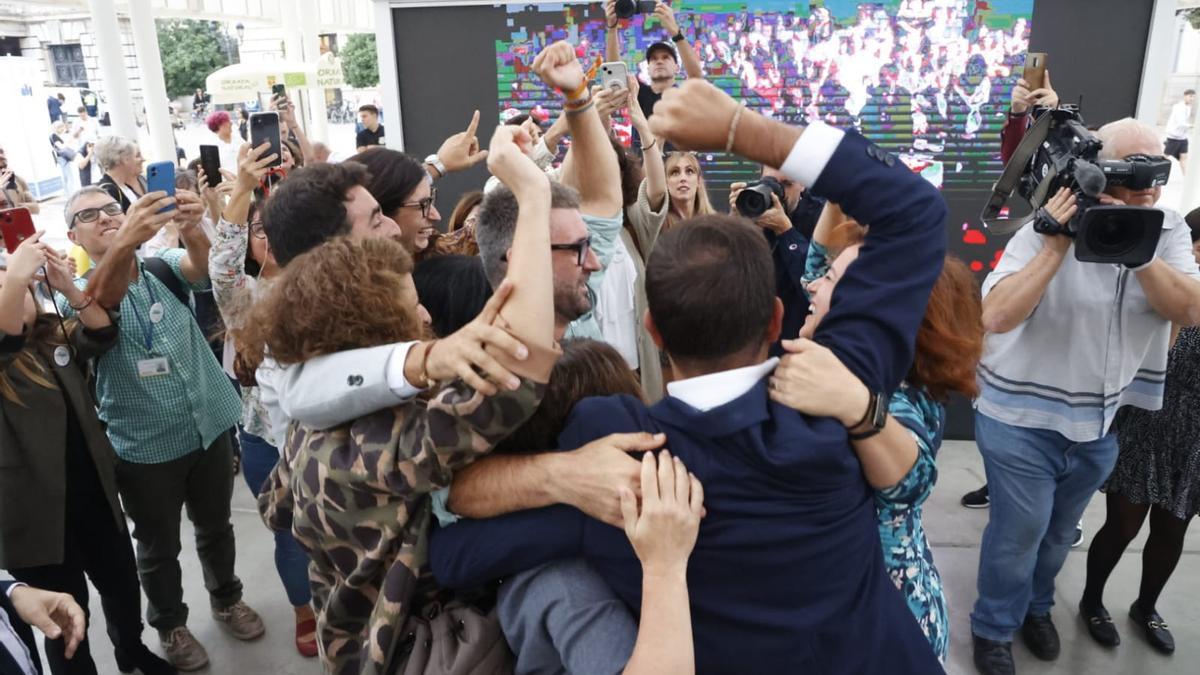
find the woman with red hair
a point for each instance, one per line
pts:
(220, 124)
(898, 460)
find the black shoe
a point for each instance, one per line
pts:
(144, 660)
(993, 658)
(1041, 637)
(1099, 624)
(1156, 629)
(977, 499)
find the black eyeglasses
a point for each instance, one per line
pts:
(424, 204)
(257, 230)
(581, 249)
(92, 214)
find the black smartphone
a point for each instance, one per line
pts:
(210, 161)
(264, 128)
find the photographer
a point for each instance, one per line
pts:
(788, 226)
(14, 189)
(1069, 343)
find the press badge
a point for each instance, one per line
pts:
(153, 367)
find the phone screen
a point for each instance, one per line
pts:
(264, 128)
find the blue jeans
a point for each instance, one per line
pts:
(563, 618)
(1039, 482)
(291, 561)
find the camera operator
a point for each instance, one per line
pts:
(788, 226)
(1069, 343)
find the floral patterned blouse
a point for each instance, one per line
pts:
(234, 291)
(906, 551)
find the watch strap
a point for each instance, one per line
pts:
(678, 37)
(436, 163)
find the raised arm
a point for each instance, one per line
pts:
(1030, 261)
(591, 165)
(612, 36)
(687, 54)
(189, 212)
(652, 156)
(872, 328)
(288, 112)
(459, 152)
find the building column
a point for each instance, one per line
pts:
(1161, 45)
(389, 78)
(107, 34)
(154, 88)
(318, 114)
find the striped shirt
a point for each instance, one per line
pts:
(1092, 345)
(152, 420)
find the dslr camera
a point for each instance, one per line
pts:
(627, 8)
(1069, 157)
(755, 200)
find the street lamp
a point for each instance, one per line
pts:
(241, 32)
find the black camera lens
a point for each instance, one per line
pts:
(754, 201)
(626, 8)
(1113, 235)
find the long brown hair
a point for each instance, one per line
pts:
(950, 339)
(586, 368)
(701, 206)
(340, 295)
(457, 240)
(28, 365)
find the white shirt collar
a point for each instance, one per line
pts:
(716, 389)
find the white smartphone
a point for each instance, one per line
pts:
(614, 75)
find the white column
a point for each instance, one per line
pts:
(154, 88)
(318, 116)
(1156, 67)
(389, 74)
(112, 67)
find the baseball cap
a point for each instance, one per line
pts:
(661, 45)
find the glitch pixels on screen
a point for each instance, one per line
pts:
(927, 80)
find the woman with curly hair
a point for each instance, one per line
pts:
(898, 461)
(357, 496)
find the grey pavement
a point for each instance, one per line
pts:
(954, 531)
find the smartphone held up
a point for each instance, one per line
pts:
(264, 128)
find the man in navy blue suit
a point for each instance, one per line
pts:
(57, 615)
(787, 574)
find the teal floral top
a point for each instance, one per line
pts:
(906, 552)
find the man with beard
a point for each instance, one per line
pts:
(662, 61)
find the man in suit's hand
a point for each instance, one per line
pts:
(55, 614)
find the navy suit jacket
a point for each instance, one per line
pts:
(787, 574)
(8, 663)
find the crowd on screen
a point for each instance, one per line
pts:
(592, 422)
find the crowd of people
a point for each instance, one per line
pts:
(593, 424)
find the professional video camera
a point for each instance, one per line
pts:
(627, 8)
(755, 200)
(1059, 151)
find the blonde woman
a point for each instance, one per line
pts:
(686, 189)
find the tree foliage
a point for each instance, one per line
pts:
(1192, 16)
(360, 62)
(191, 50)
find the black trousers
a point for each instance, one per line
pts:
(98, 548)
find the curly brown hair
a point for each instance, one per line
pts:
(950, 339)
(340, 295)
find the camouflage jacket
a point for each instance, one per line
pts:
(357, 498)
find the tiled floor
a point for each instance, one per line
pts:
(955, 533)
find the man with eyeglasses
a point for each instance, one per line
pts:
(168, 407)
(1069, 343)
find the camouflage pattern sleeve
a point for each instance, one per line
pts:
(459, 426)
(275, 500)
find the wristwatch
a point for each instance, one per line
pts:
(436, 163)
(875, 416)
(678, 37)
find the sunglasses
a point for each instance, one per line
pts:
(580, 248)
(93, 214)
(424, 204)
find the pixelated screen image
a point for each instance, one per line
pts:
(928, 80)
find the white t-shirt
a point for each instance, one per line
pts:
(1180, 122)
(229, 151)
(616, 308)
(90, 131)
